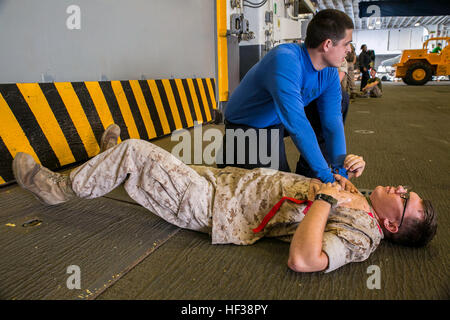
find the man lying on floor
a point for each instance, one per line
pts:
(326, 225)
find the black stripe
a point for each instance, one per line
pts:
(135, 110)
(65, 122)
(151, 107)
(189, 99)
(166, 105)
(200, 100)
(208, 97)
(29, 124)
(176, 95)
(213, 86)
(89, 109)
(113, 105)
(5, 162)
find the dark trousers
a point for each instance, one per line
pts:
(251, 151)
(302, 168)
(364, 78)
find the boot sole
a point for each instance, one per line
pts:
(103, 146)
(20, 182)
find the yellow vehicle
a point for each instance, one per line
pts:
(416, 67)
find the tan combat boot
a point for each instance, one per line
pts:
(49, 187)
(109, 137)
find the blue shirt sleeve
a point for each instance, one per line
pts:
(330, 113)
(283, 82)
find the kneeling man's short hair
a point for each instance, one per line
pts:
(327, 24)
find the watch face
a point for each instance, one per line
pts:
(332, 201)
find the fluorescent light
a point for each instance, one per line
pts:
(417, 24)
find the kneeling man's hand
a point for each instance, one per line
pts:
(345, 183)
(355, 165)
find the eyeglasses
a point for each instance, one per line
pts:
(404, 196)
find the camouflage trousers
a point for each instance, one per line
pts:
(152, 177)
(374, 92)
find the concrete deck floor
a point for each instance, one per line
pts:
(405, 139)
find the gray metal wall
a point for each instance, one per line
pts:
(117, 40)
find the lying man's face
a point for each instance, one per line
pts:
(389, 206)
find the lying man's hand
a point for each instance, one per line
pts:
(355, 165)
(345, 183)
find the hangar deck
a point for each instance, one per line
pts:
(124, 252)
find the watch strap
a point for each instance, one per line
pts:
(325, 197)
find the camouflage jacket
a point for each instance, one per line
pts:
(243, 197)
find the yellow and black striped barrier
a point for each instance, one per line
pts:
(61, 123)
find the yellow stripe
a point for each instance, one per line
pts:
(172, 103)
(1, 180)
(159, 106)
(195, 101)
(125, 109)
(100, 103)
(12, 134)
(39, 106)
(142, 105)
(184, 102)
(211, 92)
(222, 50)
(205, 102)
(79, 119)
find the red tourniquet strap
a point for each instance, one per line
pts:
(277, 206)
(275, 209)
(371, 214)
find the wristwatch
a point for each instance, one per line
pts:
(325, 197)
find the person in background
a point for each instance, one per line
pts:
(343, 75)
(374, 88)
(350, 83)
(364, 66)
(437, 49)
(372, 58)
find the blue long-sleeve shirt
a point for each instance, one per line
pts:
(276, 90)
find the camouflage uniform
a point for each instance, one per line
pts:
(374, 92)
(226, 203)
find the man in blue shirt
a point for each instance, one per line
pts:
(296, 88)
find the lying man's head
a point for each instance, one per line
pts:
(404, 217)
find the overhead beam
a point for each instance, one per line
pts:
(329, 4)
(415, 21)
(356, 14)
(436, 19)
(432, 20)
(386, 22)
(348, 7)
(441, 20)
(427, 20)
(321, 5)
(406, 23)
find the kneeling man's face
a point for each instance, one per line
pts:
(335, 55)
